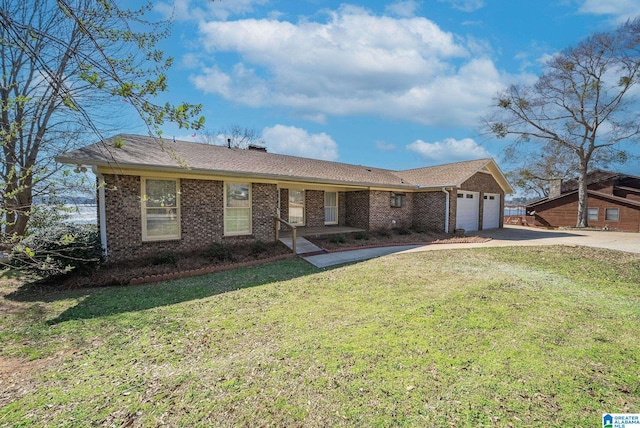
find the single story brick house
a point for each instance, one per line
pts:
(164, 195)
(613, 202)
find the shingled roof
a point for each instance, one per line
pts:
(168, 155)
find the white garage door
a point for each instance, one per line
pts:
(491, 211)
(467, 210)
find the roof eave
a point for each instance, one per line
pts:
(201, 171)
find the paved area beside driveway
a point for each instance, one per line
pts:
(509, 236)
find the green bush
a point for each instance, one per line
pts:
(338, 239)
(360, 236)
(383, 233)
(58, 250)
(219, 251)
(403, 231)
(258, 248)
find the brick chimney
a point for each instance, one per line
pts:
(555, 187)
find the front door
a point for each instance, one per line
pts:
(296, 207)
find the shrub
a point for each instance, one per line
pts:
(58, 250)
(258, 248)
(403, 231)
(219, 251)
(164, 259)
(337, 239)
(361, 235)
(383, 233)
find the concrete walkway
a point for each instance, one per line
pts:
(509, 236)
(303, 246)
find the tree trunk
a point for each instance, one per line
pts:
(582, 197)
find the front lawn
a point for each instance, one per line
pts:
(487, 337)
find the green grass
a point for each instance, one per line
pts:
(492, 337)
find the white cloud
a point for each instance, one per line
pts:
(449, 150)
(188, 10)
(405, 9)
(354, 63)
(298, 142)
(620, 10)
(381, 145)
(466, 5)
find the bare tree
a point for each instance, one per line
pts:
(234, 136)
(583, 104)
(538, 170)
(67, 68)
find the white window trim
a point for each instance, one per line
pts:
(612, 208)
(225, 208)
(143, 206)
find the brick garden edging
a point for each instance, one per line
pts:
(399, 244)
(206, 270)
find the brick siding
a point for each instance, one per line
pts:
(357, 209)
(342, 209)
(264, 199)
(429, 211)
(314, 208)
(201, 214)
(284, 204)
(383, 216)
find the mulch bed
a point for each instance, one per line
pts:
(355, 240)
(171, 266)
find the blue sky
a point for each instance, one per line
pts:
(395, 85)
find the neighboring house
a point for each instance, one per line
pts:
(613, 202)
(163, 195)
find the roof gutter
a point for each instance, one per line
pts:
(102, 210)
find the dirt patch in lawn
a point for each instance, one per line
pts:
(381, 238)
(17, 376)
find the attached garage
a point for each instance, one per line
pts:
(491, 211)
(467, 210)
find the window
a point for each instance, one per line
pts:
(592, 214)
(611, 214)
(397, 199)
(237, 209)
(330, 207)
(296, 207)
(460, 195)
(469, 196)
(160, 209)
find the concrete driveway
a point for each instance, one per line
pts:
(511, 236)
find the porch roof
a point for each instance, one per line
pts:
(154, 154)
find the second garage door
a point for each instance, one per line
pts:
(467, 210)
(491, 211)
